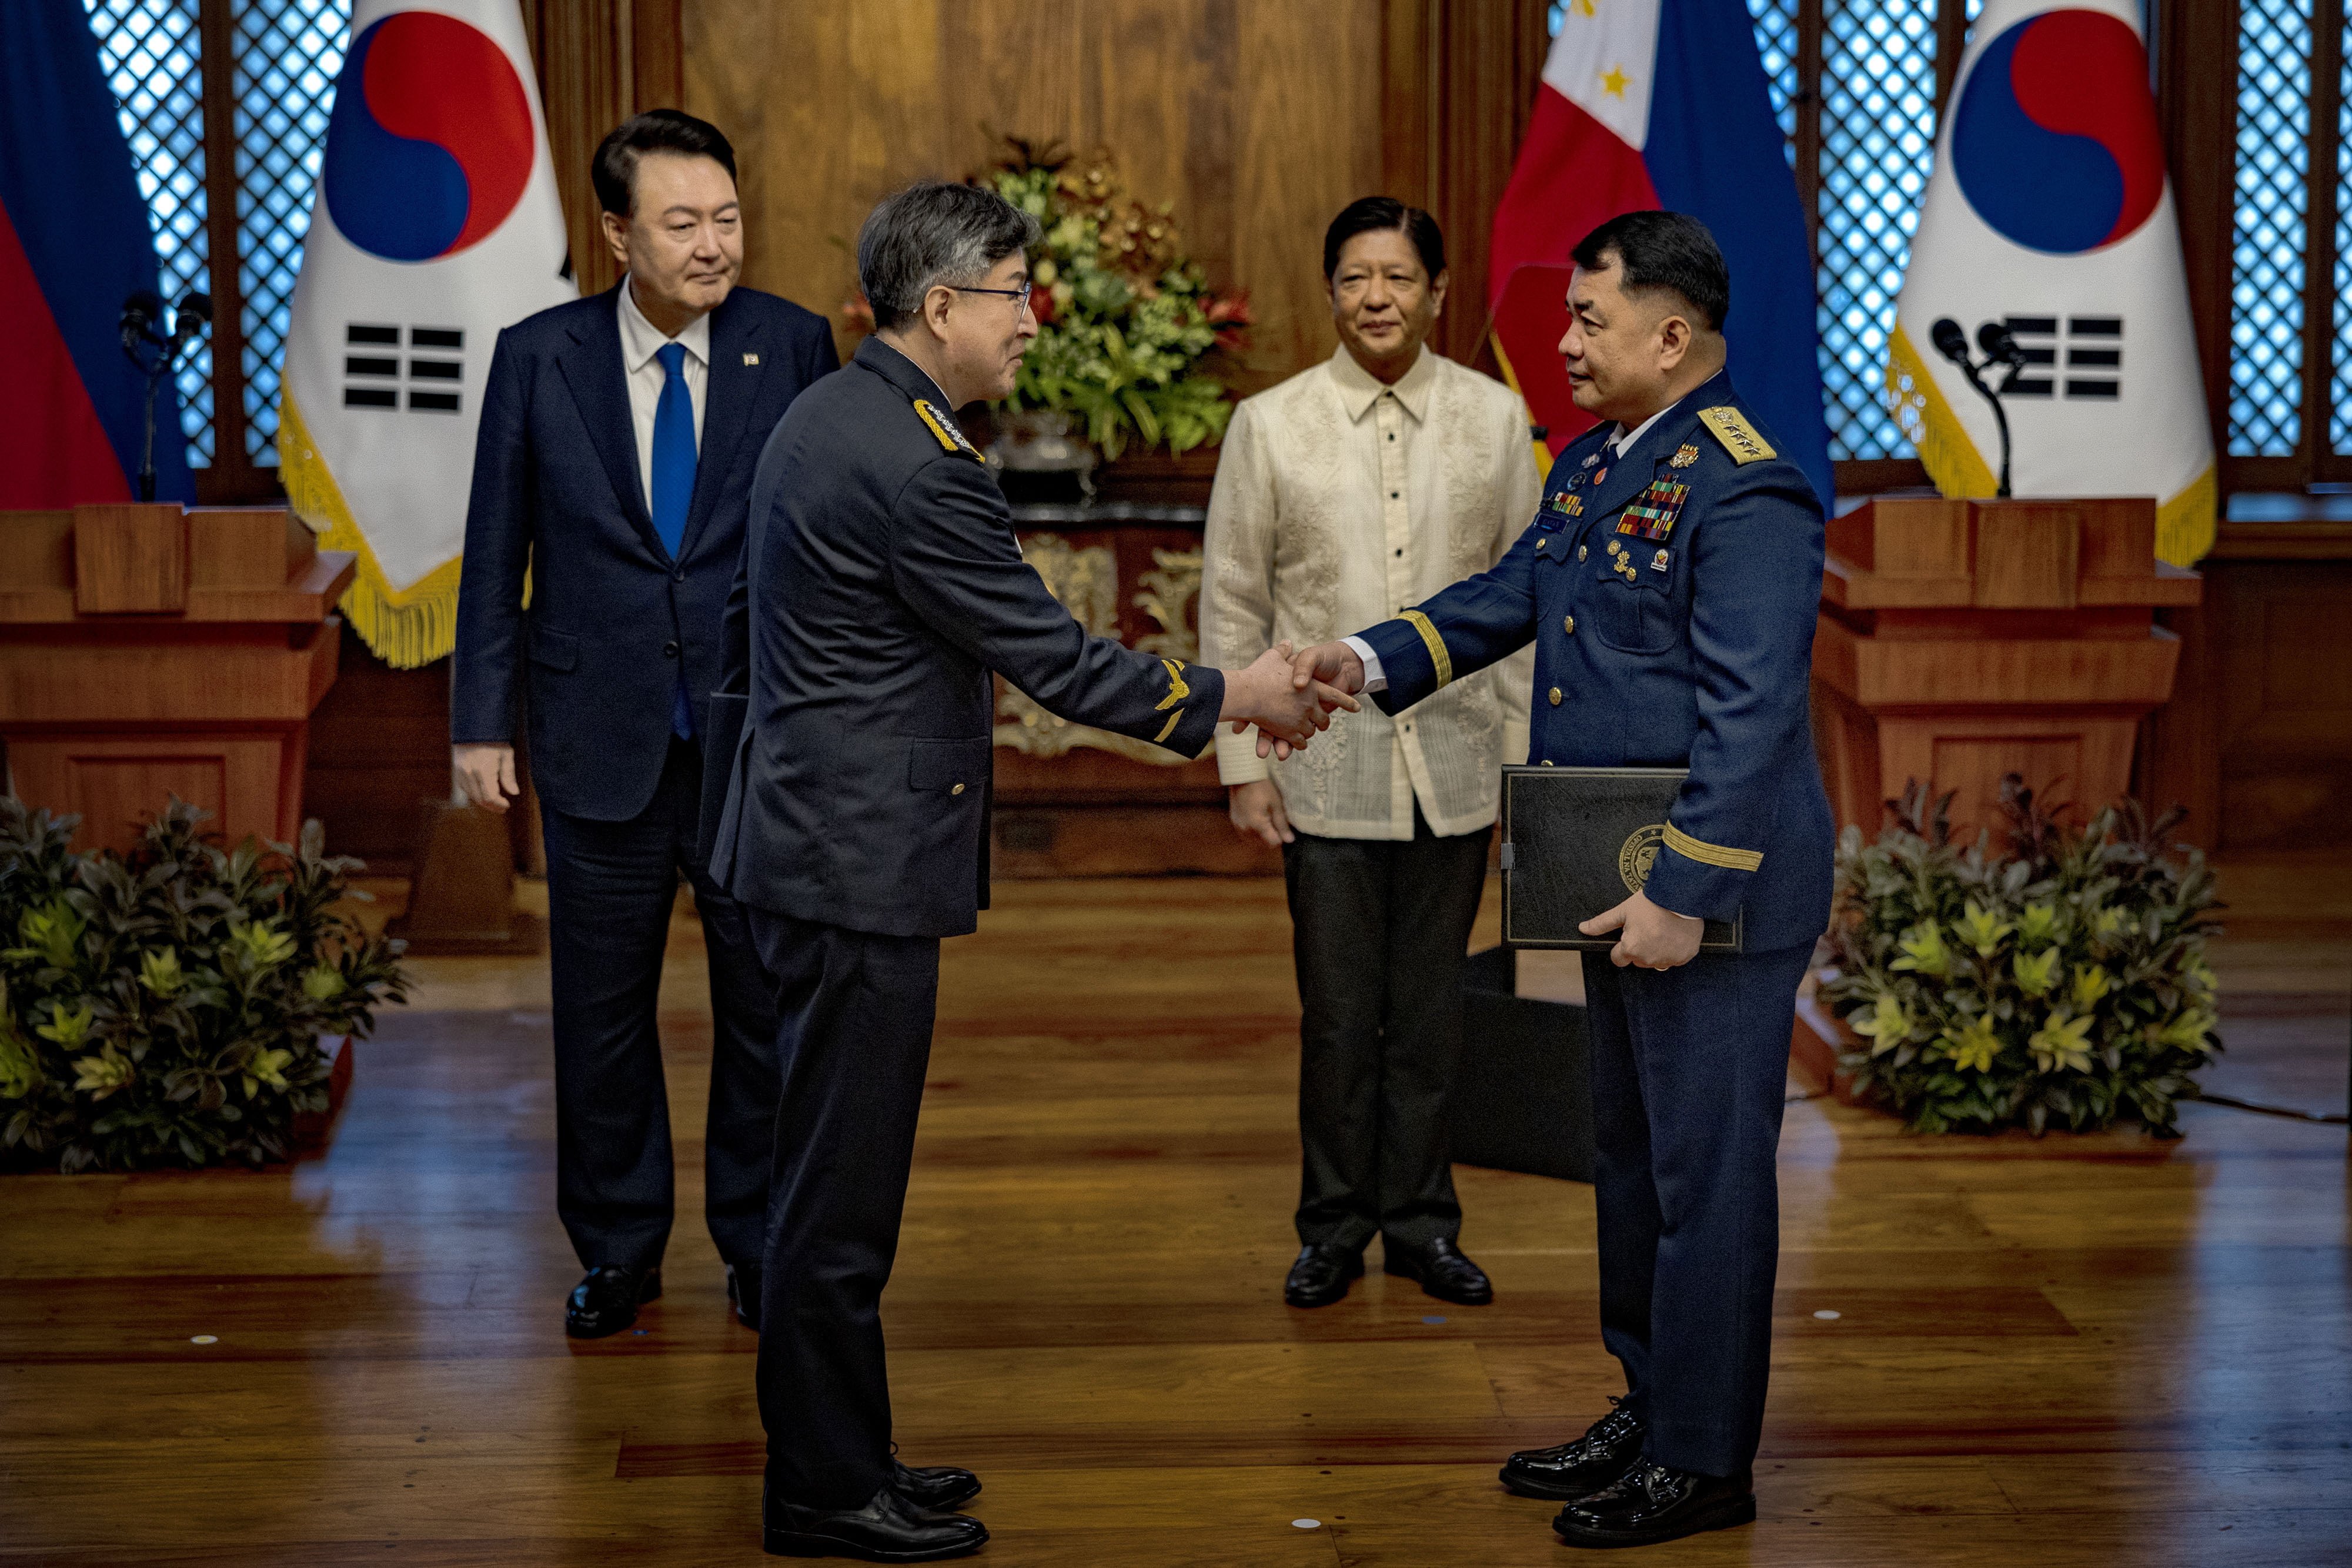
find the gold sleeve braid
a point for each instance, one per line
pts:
(1438, 656)
(1706, 853)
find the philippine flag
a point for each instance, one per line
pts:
(2049, 212)
(437, 225)
(74, 244)
(1661, 103)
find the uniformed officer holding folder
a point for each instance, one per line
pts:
(1669, 585)
(882, 590)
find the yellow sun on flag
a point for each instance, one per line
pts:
(1615, 82)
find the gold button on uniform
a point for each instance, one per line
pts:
(956, 789)
(1540, 543)
(1581, 552)
(1555, 696)
(1568, 624)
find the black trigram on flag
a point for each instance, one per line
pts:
(373, 365)
(2071, 357)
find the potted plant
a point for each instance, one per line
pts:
(2058, 979)
(167, 1007)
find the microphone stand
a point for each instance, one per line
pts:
(187, 327)
(2000, 415)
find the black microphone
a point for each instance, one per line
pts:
(1950, 341)
(1998, 345)
(189, 321)
(139, 312)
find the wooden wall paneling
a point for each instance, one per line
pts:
(1308, 115)
(583, 93)
(2283, 667)
(2319, 291)
(1256, 120)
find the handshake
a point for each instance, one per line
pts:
(1289, 697)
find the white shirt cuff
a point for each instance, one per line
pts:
(1375, 679)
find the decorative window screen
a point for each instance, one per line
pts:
(280, 85)
(2267, 260)
(288, 53)
(149, 51)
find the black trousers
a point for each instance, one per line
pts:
(1378, 929)
(610, 890)
(1690, 1069)
(853, 1035)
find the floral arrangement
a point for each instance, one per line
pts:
(1124, 317)
(165, 1008)
(2062, 980)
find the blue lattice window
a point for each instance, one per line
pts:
(2268, 232)
(288, 53)
(1777, 41)
(1878, 142)
(149, 51)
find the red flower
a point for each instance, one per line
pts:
(1230, 314)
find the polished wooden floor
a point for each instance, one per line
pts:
(2095, 1350)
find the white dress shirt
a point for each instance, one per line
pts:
(1376, 679)
(1338, 502)
(640, 341)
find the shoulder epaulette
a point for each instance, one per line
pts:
(949, 434)
(1739, 437)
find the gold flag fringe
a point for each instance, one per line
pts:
(404, 627)
(1912, 396)
(2185, 526)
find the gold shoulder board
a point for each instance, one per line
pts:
(950, 437)
(1739, 437)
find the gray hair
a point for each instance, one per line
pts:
(933, 232)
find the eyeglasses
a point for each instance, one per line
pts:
(1020, 297)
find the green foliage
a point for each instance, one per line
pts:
(2059, 981)
(165, 1010)
(1124, 317)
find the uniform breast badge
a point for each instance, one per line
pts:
(1651, 513)
(1590, 458)
(1564, 505)
(1685, 455)
(1659, 561)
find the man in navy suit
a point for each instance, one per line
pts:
(1669, 585)
(612, 470)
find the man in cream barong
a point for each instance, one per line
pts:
(1351, 491)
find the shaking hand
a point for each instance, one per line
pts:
(1333, 665)
(1287, 711)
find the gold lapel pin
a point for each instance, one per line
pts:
(751, 359)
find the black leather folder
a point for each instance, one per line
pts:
(1576, 842)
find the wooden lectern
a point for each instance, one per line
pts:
(1963, 640)
(151, 651)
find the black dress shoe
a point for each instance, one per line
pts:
(1321, 1275)
(743, 1292)
(939, 1488)
(1443, 1270)
(888, 1529)
(1571, 1471)
(1651, 1503)
(606, 1302)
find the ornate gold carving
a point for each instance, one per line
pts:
(1086, 582)
(1167, 597)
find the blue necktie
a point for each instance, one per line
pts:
(673, 488)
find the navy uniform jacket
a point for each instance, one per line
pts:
(1673, 628)
(557, 493)
(883, 584)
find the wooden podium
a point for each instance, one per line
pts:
(1963, 640)
(148, 651)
